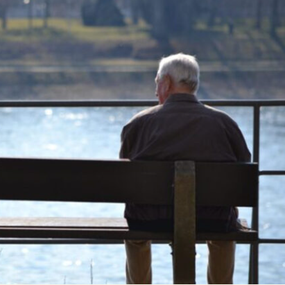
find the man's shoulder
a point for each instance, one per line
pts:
(145, 113)
(137, 120)
(218, 114)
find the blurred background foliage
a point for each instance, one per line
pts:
(95, 49)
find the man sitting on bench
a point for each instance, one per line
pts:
(181, 128)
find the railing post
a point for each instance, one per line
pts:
(184, 223)
(254, 248)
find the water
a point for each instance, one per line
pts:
(95, 133)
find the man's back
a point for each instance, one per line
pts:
(183, 129)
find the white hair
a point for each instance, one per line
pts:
(182, 68)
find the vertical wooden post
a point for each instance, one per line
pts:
(184, 223)
(254, 247)
(253, 264)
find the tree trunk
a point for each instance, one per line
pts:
(135, 11)
(274, 18)
(4, 19)
(46, 13)
(212, 14)
(231, 26)
(159, 20)
(258, 14)
(30, 14)
(3, 15)
(167, 18)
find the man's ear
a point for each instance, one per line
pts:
(167, 82)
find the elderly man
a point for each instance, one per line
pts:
(181, 128)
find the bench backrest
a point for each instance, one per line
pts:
(142, 182)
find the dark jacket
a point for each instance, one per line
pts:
(183, 129)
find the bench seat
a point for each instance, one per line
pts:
(99, 228)
(182, 185)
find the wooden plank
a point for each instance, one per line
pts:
(227, 184)
(82, 233)
(240, 236)
(86, 180)
(219, 184)
(184, 223)
(145, 182)
(108, 224)
(62, 222)
(79, 240)
(112, 234)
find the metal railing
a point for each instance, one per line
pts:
(256, 108)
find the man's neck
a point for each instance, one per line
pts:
(182, 90)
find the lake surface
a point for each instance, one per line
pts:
(95, 133)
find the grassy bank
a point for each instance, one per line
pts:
(131, 85)
(99, 60)
(67, 41)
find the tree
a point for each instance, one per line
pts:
(46, 13)
(135, 11)
(30, 13)
(101, 13)
(259, 14)
(212, 10)
(166, 17)
(4, 5)
(274, 18)
(159, 20)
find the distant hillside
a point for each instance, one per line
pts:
(69, 42)
(69, 61)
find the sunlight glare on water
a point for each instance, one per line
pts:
(94, 133)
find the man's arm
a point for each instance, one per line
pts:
(124, 150)
(128, 138)
(238, 144)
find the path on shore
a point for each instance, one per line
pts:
(206, 66)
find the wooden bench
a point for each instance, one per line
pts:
(183, 184)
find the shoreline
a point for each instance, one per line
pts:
(108, 85)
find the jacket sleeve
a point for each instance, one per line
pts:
(238, 143)
(125, 146)
(127, 140)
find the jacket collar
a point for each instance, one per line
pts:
(181, 97)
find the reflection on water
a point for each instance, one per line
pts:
(60, 132)
(272, 138)
(95, 133)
